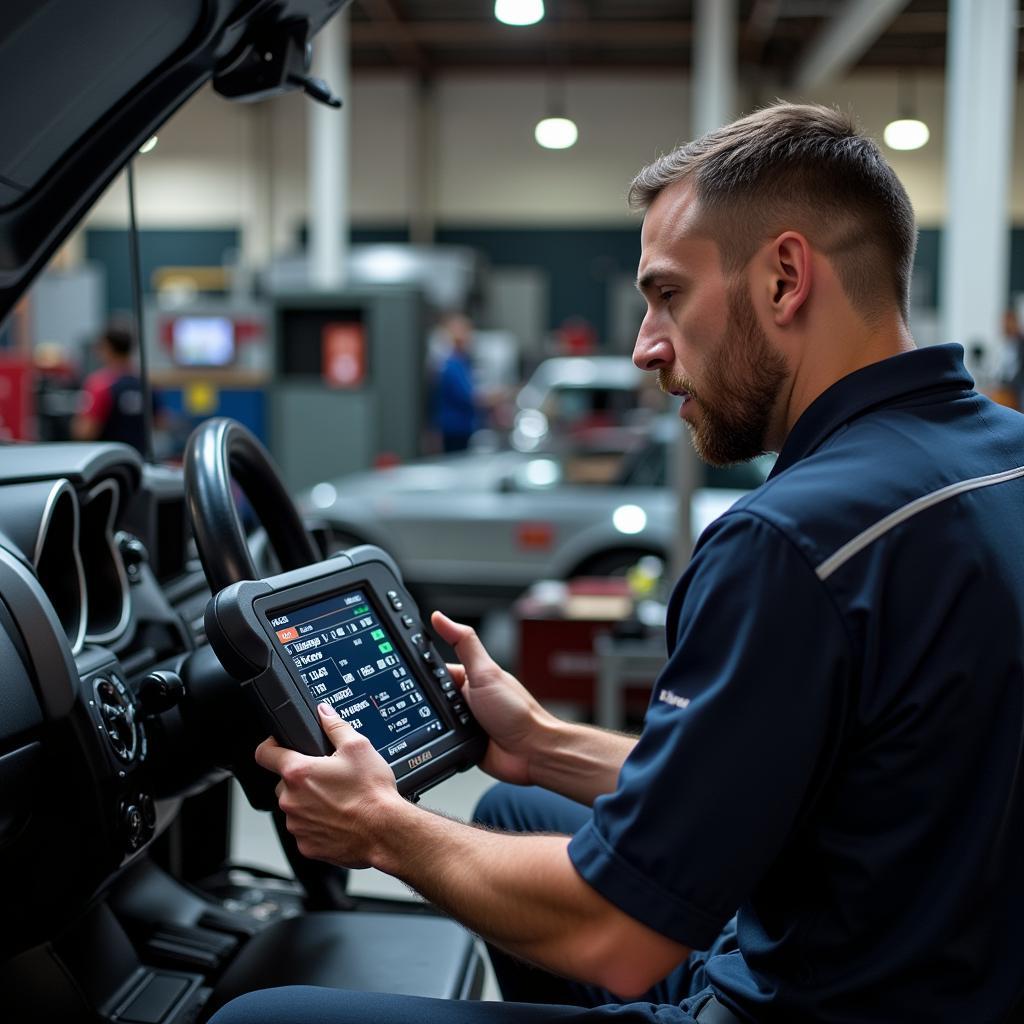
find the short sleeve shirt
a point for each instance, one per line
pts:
(114, 400)
(833, 747)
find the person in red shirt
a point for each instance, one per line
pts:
(112, 396)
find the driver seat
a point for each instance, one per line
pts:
(413, 954)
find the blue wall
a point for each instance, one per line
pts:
(158, 247)
(577, 261)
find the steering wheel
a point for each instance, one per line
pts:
(220, 451)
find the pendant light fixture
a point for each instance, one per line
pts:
(519, 12)
(555, 130)
(908, 131)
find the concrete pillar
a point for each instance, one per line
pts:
(713, 100)
(980, 80)
(714, 65)
(423, 165)
(257, 188)
(329, 159)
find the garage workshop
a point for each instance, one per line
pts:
(511, 511)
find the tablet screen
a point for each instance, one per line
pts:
(341, 652)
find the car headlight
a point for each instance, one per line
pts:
(531, 426)
(323, 495)
(629, 519)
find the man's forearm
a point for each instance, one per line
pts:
(578, 761)
(522, 893)
(504, 887)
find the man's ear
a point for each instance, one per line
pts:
(790, 273)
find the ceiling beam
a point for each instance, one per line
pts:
(754, 36)
(452, 34)
(576, 10)
(459, 34)
(480, 66)
(396, 35)
(843, 41)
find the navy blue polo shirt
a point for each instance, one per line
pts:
(836, 745)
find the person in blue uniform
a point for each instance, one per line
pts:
(455, 412)
(821, 819)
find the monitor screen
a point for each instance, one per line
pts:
(203, 341)
(339, 651)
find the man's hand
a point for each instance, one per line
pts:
(337, 807)
(505, 709)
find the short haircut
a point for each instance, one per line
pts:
(120, 337)
(805, 168)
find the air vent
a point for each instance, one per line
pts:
(109, 606)
(117, 713)
(59, 564)
(42, 519)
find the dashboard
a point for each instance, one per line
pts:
(101, 602)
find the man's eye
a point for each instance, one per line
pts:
(666, 294)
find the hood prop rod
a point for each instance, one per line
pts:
(136, 268)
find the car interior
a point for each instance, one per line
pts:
(120, 726)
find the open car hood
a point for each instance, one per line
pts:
(84, 84)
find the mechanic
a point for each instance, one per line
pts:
(111, 404)
(833, 747)
(456, 415)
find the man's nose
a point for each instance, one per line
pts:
(652, 350)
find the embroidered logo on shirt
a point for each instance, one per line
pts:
(668, 697)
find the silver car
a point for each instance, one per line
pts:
(471, 531)
(571, 395)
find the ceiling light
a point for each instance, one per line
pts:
(149, 145)
(519, 12)
(556, 133)
(906, 133)
(906, 130)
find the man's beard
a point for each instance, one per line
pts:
(739, 392)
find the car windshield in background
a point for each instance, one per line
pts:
(573, 398)
(648, 467)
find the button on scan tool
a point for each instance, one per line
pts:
(408, 621)
(395, 601)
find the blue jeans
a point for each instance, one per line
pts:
(532, 995)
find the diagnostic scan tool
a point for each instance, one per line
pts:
(346, 632)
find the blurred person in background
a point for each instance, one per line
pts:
(456, 416)
(111, 406)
